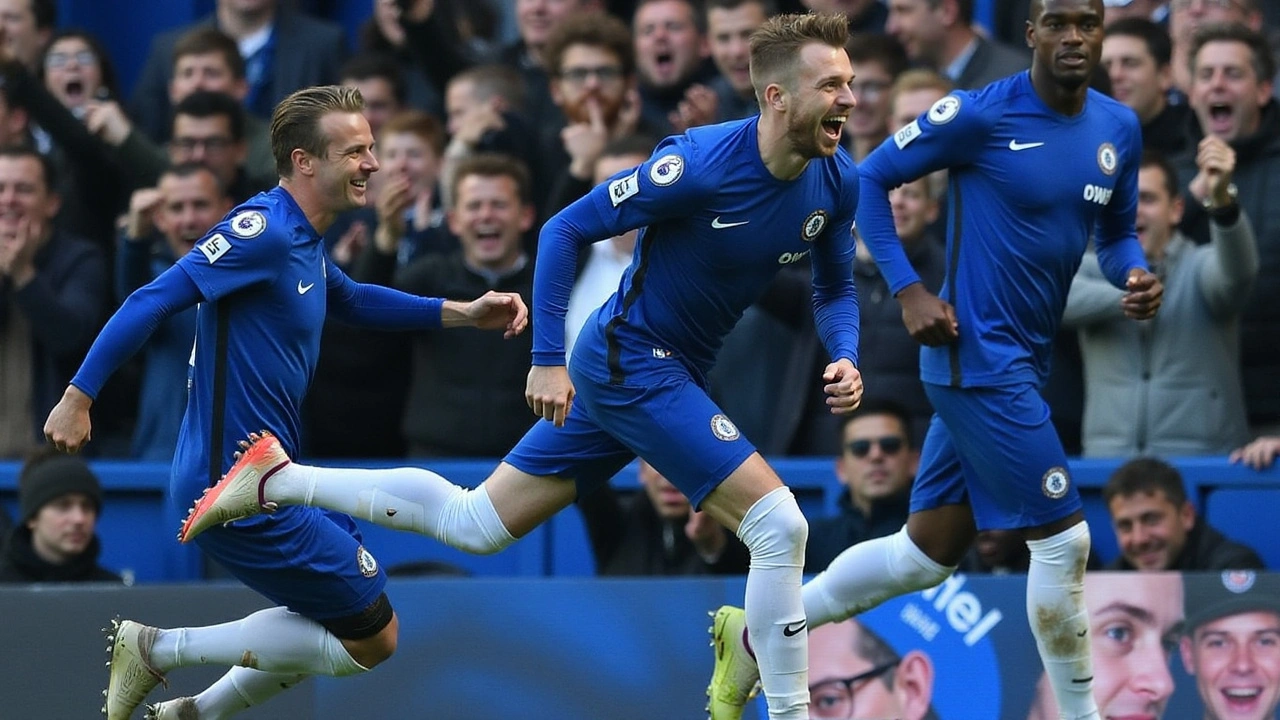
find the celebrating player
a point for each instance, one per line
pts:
(1038, 164)
(263, 283)
(724, 208)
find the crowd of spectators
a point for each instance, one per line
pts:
(481, 138)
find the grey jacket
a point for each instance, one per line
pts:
(1168, 386)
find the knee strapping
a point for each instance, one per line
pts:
(775, 531)
(469, 522)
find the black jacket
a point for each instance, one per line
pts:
(1206, 549)
(21, 564)
(831, 536)
(629, 538)
(466, 393)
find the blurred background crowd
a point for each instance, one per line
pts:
(491, 115)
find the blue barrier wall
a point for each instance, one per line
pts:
(138, 524)
(555, 649)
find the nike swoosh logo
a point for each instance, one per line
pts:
(302, 289)
(722, 225)
(1015, 146)
(789, 631)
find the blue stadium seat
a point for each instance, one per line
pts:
(1245, 515)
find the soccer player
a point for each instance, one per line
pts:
(1038, 164)
(723, 207)
(263, 284)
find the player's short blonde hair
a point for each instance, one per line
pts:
(295, 125)
(775, 45)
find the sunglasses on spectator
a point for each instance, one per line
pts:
(60, 59)
(889, 445)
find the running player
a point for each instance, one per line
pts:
(724, 208)
(264, 284)
(1039, 164)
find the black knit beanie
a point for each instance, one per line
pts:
(45, 482)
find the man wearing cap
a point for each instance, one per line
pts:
(60, 500)
(1231, 644)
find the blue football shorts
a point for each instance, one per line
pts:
(309, 560)
(995, 449)
(662, 416)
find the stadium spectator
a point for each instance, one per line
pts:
(466, 395)
(356, 407)
(486, 113)
(379, 81)
(208, 128)
(1133, 620)
(1231, 644)
(1231, 97)
(384, 34)
(729, 26)
(593, 72)
(536, 21)
(1258, 454)
(187, 202)
(913, 92)
(876, 465)
(606, 260)
(27, 26)
(1171, 387)
(53, 292)
(939, 35)
(855, 673)
(877, 62)
(1157, 527)
(283, 50)
(60, 501)
(1186, 17)
(77, 70)
(656, 532)
(87, 176)
(673, 66)
(1136, 54)
(865, 16)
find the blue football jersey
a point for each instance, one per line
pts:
(1029, 188)
(717, 226)
(263, 273)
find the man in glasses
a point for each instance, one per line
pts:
(855, 673)
(208, 128)
(877, 463)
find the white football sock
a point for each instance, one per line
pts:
(272, 640)
(866, 575)
(407, 498)
(1059, 619)
(775, 532)
(241, 688)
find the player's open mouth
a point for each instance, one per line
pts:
(832, 125)
(359, 183)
